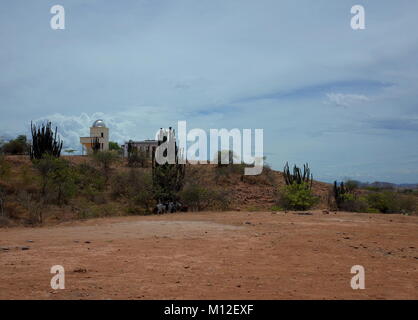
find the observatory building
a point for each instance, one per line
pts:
(97, 131)
(147, 147)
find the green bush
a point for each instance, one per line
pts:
(224, 173)
(115, 146)
(105, 159)
(16, 146)
(136, 187)
(267, 177)
(89, 181)
(198, 197)
(57, 179)
(297, 197)
(4, 167)
(352, 203)
(138, 159)
(392, 202)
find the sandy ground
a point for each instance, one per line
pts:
(224, 255)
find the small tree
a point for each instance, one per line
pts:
(57, 179)
(16, 146)
(105, 159)
(114, 146)
(297, 197)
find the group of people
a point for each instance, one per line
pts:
(169, 207)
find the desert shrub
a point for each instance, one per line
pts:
(27, 177)
(224, 173)
(90, 181)
(352, 203)
(16, 146)
(267, 177)
(119, 186)
(198, 197)
(4, 167)
(85, 209)
(34, 207)
(346, 198)
(105, 159)
(352, 185)
(137, 158)
(57, 179)
(297, 197)
(136, 187)
(226, 168)
(13, 209)
(115, 146)
(392, 202)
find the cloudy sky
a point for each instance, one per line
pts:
(345, 101)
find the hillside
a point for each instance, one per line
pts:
(22, 183)
(81, 188)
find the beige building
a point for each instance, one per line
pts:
(99, 131)
(146, 146)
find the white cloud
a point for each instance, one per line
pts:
(346, 100)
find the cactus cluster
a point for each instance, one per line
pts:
(168, 179)
(340, 193)
(298, 177)
(44, 141)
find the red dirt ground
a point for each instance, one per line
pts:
(223, 255)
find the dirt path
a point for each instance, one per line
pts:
(228, 255)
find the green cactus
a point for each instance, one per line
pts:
(298, 177)
(340, 192)
(168, 179)
(44, 141)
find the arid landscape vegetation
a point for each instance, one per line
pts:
(272, 236)
(38, 185)
(76, 187)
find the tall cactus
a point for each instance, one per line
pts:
(298, 177)
(168, 179)
(44, 141)
(339, 193)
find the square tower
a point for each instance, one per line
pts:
(97, 130)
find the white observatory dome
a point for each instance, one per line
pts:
(99, 123)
